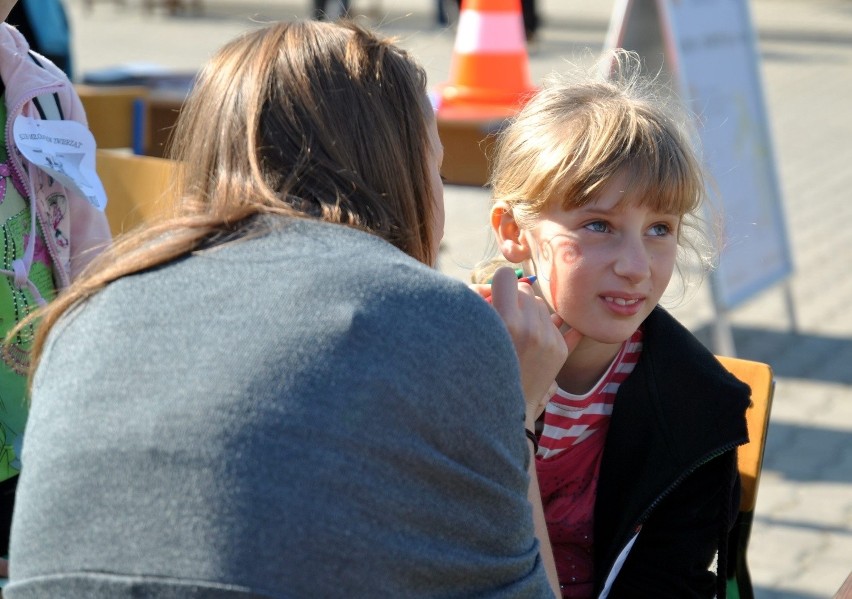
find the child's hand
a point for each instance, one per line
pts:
(540, 345)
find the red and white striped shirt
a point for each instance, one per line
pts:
(568, 463)
(571, 419)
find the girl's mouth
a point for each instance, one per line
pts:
(623, 306)
(620, 301)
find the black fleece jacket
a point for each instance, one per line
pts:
(669, 467)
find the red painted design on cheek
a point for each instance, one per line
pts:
(566, 251)
(569, 251)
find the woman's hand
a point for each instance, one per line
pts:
(539, 344)
(542, 349)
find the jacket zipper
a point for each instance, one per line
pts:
(695, 466)
(64, 279)
(647, 513)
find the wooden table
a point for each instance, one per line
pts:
(173, 6)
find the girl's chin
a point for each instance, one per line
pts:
(606, 331)
(609, 336)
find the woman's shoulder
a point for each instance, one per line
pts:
(372, 266)
(349, 268)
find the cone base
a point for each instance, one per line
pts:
(453, 95)
(467, 144)
(478, 113)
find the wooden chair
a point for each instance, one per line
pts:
(136, 188)
(760, 378)
(110, 110)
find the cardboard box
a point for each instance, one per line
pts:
(468, 145)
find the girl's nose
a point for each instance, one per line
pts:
(633, 261)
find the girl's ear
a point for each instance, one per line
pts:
(512, 243)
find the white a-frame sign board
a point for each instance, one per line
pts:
(708, 50)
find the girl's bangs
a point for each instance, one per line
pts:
(664, 185)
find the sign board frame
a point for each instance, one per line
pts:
(708, 51)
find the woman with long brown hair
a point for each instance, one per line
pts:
(262, 395)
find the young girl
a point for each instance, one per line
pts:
(48, 231)
(594, 184)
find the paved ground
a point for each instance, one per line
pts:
(801, 546)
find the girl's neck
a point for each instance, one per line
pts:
(586, 365)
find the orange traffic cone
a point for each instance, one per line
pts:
(489, 72)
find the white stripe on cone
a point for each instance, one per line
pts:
(490, 33)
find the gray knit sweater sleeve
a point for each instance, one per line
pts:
(307, 413)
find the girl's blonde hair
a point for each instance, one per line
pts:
(575, 135)
(303, 119)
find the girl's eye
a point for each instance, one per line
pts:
(597, 226)
(660, 230)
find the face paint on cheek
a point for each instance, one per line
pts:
(566, 249)
(559, 249)
(542, 262)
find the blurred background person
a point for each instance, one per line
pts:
(330, 9)
(44, 24)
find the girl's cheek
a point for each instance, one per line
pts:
(569, 252)
(562, 254)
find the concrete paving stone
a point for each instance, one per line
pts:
(783, 360)
(770, 312)
(799, 354)
(806, 401)
(775, 495)
(839, 470)
(838, 367)
(809, 209)
(829, 506)
(764, 593)
(780, 556)
(823, 573)
(810, 455)
(805, 459)
(841, 405)
(816, 249)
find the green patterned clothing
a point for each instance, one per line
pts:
(15, 304)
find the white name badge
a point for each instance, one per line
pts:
(65, 150)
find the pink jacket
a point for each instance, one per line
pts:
(74, 231)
